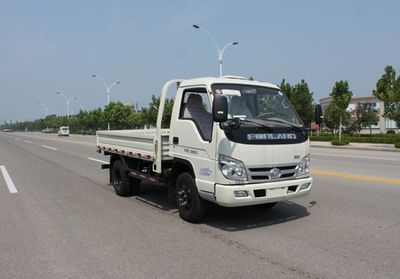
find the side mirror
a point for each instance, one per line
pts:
(220, 108)
(318, 114)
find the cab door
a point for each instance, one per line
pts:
(192, 136)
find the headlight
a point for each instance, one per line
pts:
(304, 166)
(232, 169)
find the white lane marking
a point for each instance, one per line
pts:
(355, 156)
(27, 141)
(49, 147)
(97, 160)
(9, 182)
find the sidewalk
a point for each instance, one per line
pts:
(356, 146)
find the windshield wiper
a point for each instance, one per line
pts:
(259, 123)
(279, 120)
(235, 123)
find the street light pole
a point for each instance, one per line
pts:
(220, 51)
(108, 90)
(68, 101)
(46, 108)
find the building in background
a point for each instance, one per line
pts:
(384, 124)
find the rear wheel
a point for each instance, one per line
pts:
(190, 205)
(123, 184)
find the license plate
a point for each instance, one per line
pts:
(277, 192)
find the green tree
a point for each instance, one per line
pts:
(150, 114)
(136, 120)
(388, 91)
(117, 115)
(369, 118)
(332, 117)
(356, 122)
(341, 97)
(301, 98)
(286, 88)
(364, 117)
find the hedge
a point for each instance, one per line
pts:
(374, 139)
(338, 142)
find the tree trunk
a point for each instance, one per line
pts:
(340, 129)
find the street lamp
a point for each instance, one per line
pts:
(108, 90)
(46, 108)
(68, 101)
(219, 50)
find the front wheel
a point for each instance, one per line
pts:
(190, 206)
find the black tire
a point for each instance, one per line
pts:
(121, 181)
(190, 205)
(267, 205)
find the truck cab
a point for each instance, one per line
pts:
(259, 154)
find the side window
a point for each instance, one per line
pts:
(196, 107)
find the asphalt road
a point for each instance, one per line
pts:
(62, 220)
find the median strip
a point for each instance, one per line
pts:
(385, 180)
(9, 182)
(49, 147)
(97, 160)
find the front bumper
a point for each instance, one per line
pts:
(262, 192)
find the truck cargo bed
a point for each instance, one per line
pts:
(133, 143)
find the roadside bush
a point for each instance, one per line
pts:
(373, 139)
(322, 138)
(338, 142)
(376, 138)
(390, 132)
(379, 136)
(397, 145)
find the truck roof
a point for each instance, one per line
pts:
(225, 79)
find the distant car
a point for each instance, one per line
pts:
(7, 130)
(63, 131)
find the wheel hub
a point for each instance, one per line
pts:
(184, 197)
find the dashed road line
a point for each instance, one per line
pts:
(9, 182)
(27, 141)
(97, 160)
(49, 147)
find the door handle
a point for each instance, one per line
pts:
(175, 140)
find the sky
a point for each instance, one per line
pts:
(55, 46)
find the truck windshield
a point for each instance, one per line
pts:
(247, 102)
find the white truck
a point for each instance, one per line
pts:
(231, 141)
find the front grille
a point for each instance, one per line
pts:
(272, 173)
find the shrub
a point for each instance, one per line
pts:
(322, 138)
(390, 132)
(397, 145)
(338, 142)
(374, 139)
